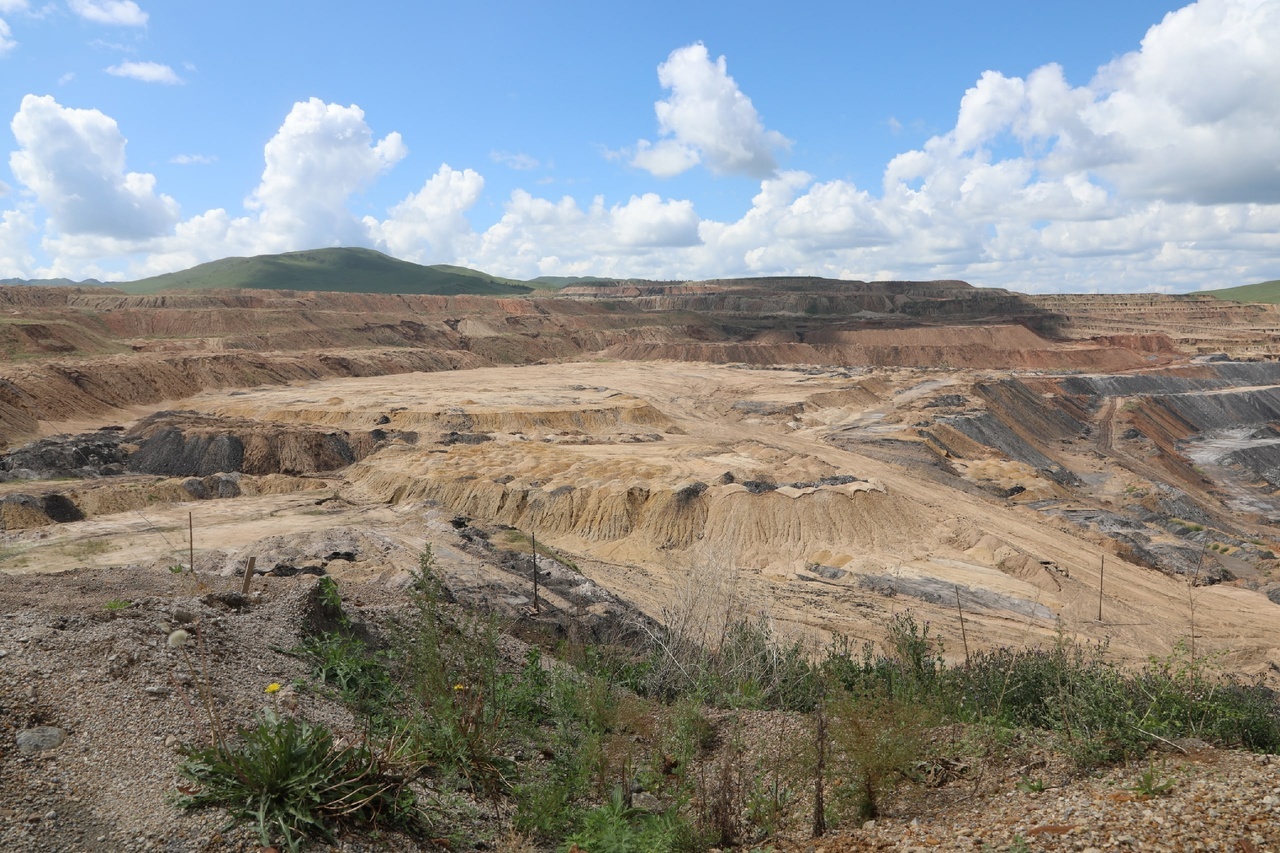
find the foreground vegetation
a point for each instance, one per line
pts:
(639, 745)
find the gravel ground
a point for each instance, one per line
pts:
(126, 701)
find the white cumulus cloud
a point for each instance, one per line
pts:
(123, 13)
(7, 42)
(16, 231)
(320, 157)
(537, 236)
(73, 161)
(147, 72)
(706, 119)
(430, 226)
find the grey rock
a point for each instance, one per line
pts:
(39, 739)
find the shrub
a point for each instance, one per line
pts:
(876, 741)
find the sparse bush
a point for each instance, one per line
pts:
(876, 741)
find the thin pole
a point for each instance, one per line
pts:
(191, 543)
(534, 538)
(1102, 573)
(963, 635)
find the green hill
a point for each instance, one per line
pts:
(555, 282)
(346, 270)
(1267, 291)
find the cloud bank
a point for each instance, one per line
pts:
(1159, 173)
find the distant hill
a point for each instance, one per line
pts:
(558, 281)
(1267, 291)
(52, 282)
(345, 270)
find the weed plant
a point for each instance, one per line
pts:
(292, 781)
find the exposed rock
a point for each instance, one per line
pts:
(40, 739)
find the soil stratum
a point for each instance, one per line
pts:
(1009, 469)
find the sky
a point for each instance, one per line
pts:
(1090, 146)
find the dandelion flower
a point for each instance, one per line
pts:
(459, 687)
(178, 639)
(273, 687)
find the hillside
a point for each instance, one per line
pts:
(349, 270)
(1267, 292)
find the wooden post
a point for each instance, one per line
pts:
(1102, 573)
(191, 543)
(248, 576)
(533, 537)
(963, 635)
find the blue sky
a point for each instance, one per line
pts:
(1084, 146)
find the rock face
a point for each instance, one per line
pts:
(186, 444)
(96, 454)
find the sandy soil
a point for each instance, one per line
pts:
(592, 457)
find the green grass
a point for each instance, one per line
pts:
(1266, 291)
(347, 270)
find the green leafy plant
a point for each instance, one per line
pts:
(292, 781)
(617, 828)
(1030, 785)
(345, 664)
(1151, 783)
(117, 604)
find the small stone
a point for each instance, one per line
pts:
(40, 738)
(171, 742)
(869, 825)
(646, 802)
(156, 690)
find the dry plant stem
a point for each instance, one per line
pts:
(186, 700)
(1162, 740)
(216, 732)
(1102, 570)
(819, 771)
(1191, 599)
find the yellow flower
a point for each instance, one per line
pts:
(273, 687)
(459, 686)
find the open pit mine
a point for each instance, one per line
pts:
(824, 453)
